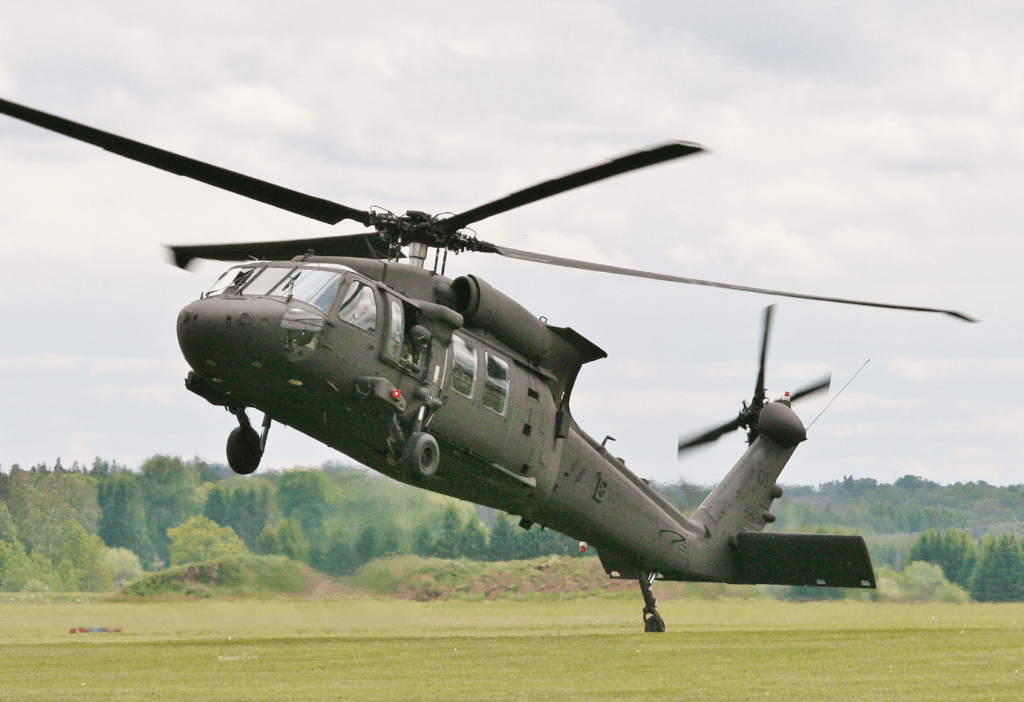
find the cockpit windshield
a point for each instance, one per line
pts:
(317, 286)
(263, 283)
(231, 280)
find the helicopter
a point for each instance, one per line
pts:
(452, 386)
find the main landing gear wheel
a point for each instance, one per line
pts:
(652, 620)
(245, 446)
(244, 450)
(421, 456)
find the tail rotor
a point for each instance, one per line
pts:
(748, 416)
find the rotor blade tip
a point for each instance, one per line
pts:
(180, 259)
(963, 317)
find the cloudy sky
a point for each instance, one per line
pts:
(871, 150)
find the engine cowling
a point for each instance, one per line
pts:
(484, 307)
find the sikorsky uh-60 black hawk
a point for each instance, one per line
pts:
(452, 386)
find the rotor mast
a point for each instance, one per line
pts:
(417, 254)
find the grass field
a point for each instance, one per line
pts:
(586, 649)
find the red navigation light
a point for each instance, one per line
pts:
(397, 394)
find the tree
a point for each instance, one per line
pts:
(81, 495)
(199, 540)
(39, 511)
(423, 542)
(210, 472)
(248, 509)
(338, 558)
(926, 582)
(216, 507)
(284, 539)
(123, 516)
(79, 559)
(302, 495)
(953, 551)
(366, 544)
(8, 532)
(448, 543)
(20, 571)
(268, 544)
(999, 575)
(124, 565)
(292, 539)
(100, 468)
(170, 491)
(502, 546)
(473, 540)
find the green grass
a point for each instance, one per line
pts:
(377, 649)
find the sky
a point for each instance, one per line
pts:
(866, 150)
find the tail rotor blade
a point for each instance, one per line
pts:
(821, 384)
(709, 436)
(759, 388)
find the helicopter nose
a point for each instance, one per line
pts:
(222, 337)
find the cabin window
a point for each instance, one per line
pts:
(496, 384)
(266, 281)
(396, 330)
(316, 287)
(463, 366)
(359, 307)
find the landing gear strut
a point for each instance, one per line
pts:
(652, 620)
(421, 455)
(245, 447)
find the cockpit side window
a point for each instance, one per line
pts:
(463, 366)
(396, 330)
(359, 306)
(496, 384)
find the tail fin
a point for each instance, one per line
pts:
(740, 507)
(743, 500)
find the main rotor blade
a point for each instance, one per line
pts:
(709, 436)
(822, 383)
(355, 245)
(759, 388)
(601, 268)
(623, 164)
(268, 193)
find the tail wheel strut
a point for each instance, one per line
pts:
(652, 620)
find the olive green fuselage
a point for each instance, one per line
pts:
(497, 408)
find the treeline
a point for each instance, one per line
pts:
(85, 528)
(910, 505)
(890, 516)
(88, 528)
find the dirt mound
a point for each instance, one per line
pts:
(240, 577)
(413, 578)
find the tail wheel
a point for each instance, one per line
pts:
(421, 456)
(653, 621)
(243, 450)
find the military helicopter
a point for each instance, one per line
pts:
(452, 386)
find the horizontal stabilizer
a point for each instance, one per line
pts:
(817, 560)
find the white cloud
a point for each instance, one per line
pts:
(867, 151)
